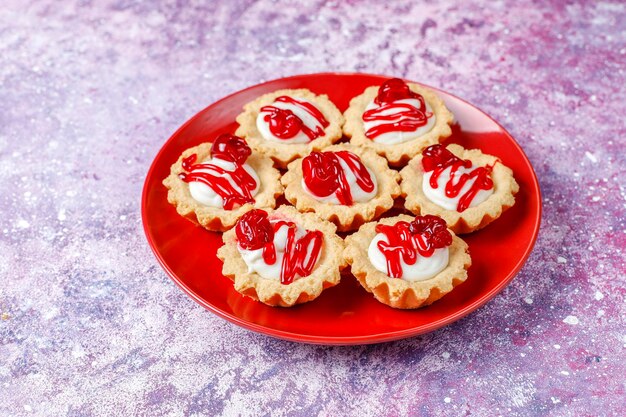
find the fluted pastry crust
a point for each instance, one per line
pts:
(400, 153)
(282, 154)
(473, 218)
(396, 292)
(327, 272)
(214, 218)
(346, 217)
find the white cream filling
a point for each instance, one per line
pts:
(204, 194)
(358, 194)
(392, 138)
(306, 117)
(254, 258)
(421, 270)
(438, 195)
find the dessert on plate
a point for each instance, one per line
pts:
(289, 255)
(397, 120)
(466, 187)
(288, 124)
(213, 184)
(282, 257)
(407, 262)
(345, 184)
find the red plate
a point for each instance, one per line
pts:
(345, 314)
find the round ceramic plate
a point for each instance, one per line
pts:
(345, 314)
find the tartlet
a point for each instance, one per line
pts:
(397, 120)
(214, 183)
(395, 281)
(344, 184)
(489, 189)
(268, 265)
(288, 124)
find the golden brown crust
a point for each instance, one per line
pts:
(400, 153)
(282, 154)
(327, 272)
(346, 217)
(473, 218)
(213, 218)
(396, 292)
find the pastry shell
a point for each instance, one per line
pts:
(214, 218)
(399, 153)
(327, 272)
(282, 154)
(473, 218)
(396, 292)
(345, 217)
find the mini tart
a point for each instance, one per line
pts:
(213, 218)
(343, 216)
(326, 273)
(281, 153)
(397, 292)
(473, 218)
(397, 154)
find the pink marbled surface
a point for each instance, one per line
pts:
(91, 326)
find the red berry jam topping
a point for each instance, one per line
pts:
(393, 90)
(392, 116)
(235, 187)
(406, 240)
(300, 255)
(437, 159)
(285, 124)
(323, 175)
(434, 228)
(230, 148)
(255, 231)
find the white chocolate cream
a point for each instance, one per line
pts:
(438, 195)
(254, 258)
(395, 137)
(204, 194)
(423, 268)
(358, 194)
(308, 120)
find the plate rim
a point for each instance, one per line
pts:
(341, 340)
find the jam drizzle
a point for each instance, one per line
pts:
(284, 124)
(406, 240)
(324, 175)
(437, 159)
(235, 187)
(297, 261)
(255, 231)
(402, 117)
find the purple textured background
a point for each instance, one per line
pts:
(91, 326)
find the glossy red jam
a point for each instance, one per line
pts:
(298, 260)
(406, 240)
(323, 175)
(255, 231)
(284, 124)
(232, 149)
(437, 159)
(393, 90)
(396, 117)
